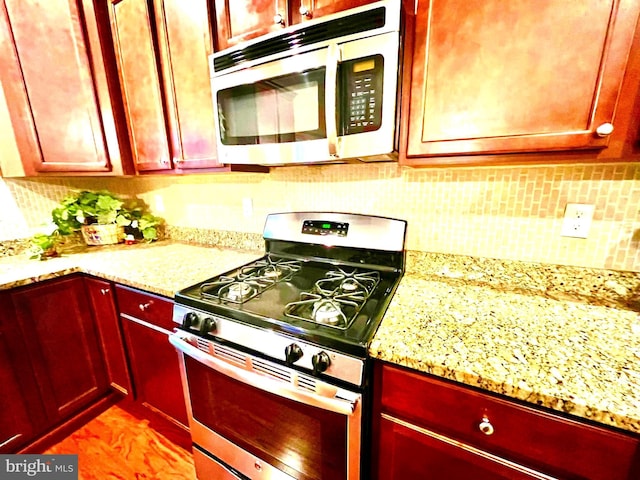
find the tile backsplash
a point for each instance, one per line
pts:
(497, 212)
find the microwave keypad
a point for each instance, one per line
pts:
(364, 97)
(363, 102)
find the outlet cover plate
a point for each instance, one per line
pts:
(577, 220)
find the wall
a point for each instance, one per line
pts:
(499, 212)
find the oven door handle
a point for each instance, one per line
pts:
(277, 387)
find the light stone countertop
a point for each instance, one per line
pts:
(163, 267)
(572, 357)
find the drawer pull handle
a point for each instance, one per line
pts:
(278, 19)
(486, 427)
(104, 291)
(145, 306)
(604, 130)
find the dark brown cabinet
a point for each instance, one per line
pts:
(147, 322)
(22, 414)
(243, 20)
(101, 296)
(62, 343)
(162, 48)
(490, 77)
(413, 452)
(65, 109)
(430, 428)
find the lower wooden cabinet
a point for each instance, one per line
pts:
(413, 452)
(66, 344)
(102, 298)
(429, 428)
(146, 321)
(62, 342)
(22, 414)
(51, 366)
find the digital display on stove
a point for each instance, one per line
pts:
(323, 227)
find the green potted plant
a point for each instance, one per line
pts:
(103, 218)
(45, 246)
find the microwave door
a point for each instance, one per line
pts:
(275, 113)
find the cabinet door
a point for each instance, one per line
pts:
(407, 451)
(491, 77)
(241, 20)
(146, 321)
(63, 345)
(21, 411)
(134, 39)
(185, 41)
(53, 74)
(156, 371)
(309, 9)
(101, 297)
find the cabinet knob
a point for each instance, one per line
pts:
(145, 306)
(486, 427)
(604, 130)
(305, 12)
(104, 291)
(278, 19)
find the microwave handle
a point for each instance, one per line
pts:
(333, 58)
(282, 389)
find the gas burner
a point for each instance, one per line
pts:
(335, 311)
(238, 292)
(269, 270)
(327, 311)
(250, 280)
(357, 285)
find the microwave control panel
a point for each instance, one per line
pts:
(361, 83)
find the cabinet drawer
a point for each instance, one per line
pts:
(556, 445)
(145, 306)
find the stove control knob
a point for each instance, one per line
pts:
(189, 320)
(208, 326)
(320, 362)
(292, 353)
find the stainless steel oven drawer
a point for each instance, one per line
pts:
(208, 468)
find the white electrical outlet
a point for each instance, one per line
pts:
(577, 220)
(247, 207)
(159, 203)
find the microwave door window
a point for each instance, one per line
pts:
(278, 110)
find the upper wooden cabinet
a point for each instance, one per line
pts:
(161, 49)
(520, 76)
(242, 20)
(54, 63)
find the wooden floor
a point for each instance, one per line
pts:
(123, 443)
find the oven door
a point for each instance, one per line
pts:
(265, 420)
(335, 102)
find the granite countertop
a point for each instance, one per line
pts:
(163, 267)
(561, 338)
(567, 354)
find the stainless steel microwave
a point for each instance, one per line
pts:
(321, 91)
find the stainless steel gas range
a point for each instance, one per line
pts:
(274, 353)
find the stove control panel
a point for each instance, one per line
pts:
(287, 349)
(325, 227)
(197, 323)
